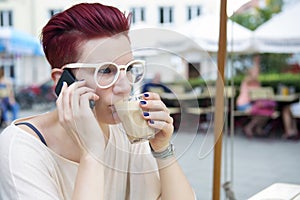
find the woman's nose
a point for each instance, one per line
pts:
(122, 85)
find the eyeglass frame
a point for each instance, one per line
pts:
(97, 66)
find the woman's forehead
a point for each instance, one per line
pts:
(114, 49)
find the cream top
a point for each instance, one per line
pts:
(30, 170)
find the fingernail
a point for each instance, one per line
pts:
(146, 114)
(146, 95)
(143, 102)
(151, 121)
(92, 104)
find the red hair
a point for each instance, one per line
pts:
(66, 31)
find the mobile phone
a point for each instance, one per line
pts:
(69, 78)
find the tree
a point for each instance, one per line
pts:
(256, 16)
(274, 63)
(252, 19)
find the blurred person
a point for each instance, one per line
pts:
(7, 98)
(295, 109)
(244, 103)
(289, 122)
(80, 150)
(155, 84)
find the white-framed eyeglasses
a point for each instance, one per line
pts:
(107, 73)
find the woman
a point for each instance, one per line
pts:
(244, 103)
(79, 151)
(289, 122)
(7, 98)
(250, 82)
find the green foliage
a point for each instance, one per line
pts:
(247, 20)
(194, 82)
(256, 17)
(274, 5)
(274, 79)
(269, 63)
(274, 63)
(271, 79)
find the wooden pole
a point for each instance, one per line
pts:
(219, 102)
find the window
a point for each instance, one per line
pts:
(53, 12)
(165, 15)
(194, 70)
(138, 14)
(12, 71)
(6, 18)
(193, 11)
(9, 70)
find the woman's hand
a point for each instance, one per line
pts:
(158, 117)
(78, 119)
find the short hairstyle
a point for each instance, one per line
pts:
(66, 31)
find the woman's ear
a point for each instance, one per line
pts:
(56, 74)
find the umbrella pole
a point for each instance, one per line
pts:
(219, 102)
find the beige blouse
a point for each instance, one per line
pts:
(30, 170)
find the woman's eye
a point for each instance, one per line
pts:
(106, 69)
(129, 68)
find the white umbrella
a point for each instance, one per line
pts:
(147, 40)
(281, 34)
(204, 30)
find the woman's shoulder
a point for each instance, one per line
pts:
(24, 162)
(20, 147)
(20, 151)
(14, 141)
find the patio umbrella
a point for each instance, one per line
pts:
(219, 101)
(204, 30)
(13, 41)
(281, 34)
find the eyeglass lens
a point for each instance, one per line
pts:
(108, 73)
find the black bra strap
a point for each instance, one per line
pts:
(35, 130)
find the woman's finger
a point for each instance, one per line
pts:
(76, 94)
(61, 103)
(67, 114)
(153, 105)
(158, 116)
(151, 96)
(165, 130)
(85, 99)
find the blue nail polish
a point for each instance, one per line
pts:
(151, 121)
(146, 114)
(146, 95)
(143, 102)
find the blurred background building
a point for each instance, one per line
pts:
(29, 16)
(20, 18)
